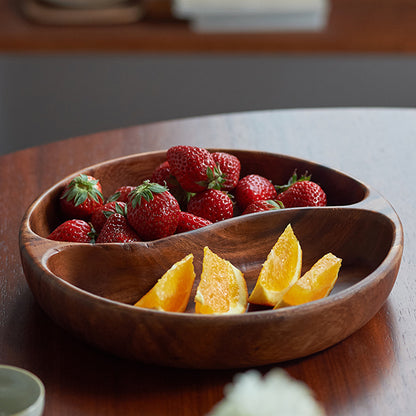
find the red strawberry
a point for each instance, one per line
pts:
(78, 231)
(117, 230)
(152, 211)
(259, 206)
(101, 214)
(81, 197)
(163, 176)
(302, 193)
(194, 168)
(230, 167)
(253, 188)
(121, 194)
(212, 204)
(188, 222)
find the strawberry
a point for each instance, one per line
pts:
(117, 230)
(265, 205)
(81, 197)
(188, 222)
(152, 211)
(212, 204)
(163, 176)
(194, 168)
(230, 167)
(253, 188)
(76, 230)
(121, 194)
(302, 192)
(102, 213)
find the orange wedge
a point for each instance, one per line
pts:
(222, 289)
(280, 271)
(315, 283)
(172, 291)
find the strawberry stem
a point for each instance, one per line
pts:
(215, 179)
(293, 179)
(82, 188)
(146, 191)
(276, 204)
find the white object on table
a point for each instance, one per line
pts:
(253, 15)
(21, 392)
(276, 393)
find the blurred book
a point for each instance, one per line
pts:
(253, 15)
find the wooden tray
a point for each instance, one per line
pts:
(90, 289)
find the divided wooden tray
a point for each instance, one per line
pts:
(90, 289)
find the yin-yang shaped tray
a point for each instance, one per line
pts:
(90, 289)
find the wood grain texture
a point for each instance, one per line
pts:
(353, 26)
(372, 372)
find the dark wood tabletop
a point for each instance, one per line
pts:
(382, 26)
(372, 372)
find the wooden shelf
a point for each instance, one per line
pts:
(354, 26)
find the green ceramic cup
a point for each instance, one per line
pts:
(21, 392)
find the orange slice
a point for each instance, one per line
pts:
(315, 283)
(222, 289)
(280, 271)
(172, 291)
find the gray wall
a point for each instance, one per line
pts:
(45, 98)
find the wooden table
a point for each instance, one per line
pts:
(382, 26)
(373, 372)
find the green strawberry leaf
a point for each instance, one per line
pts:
(275, 204)
(82, 188)
(293, 179)
(145, 191)
(114, 197)
(118, 210)
(92, 234)
(121, 210)
(215, 179)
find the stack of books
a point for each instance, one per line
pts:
(253, 15)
